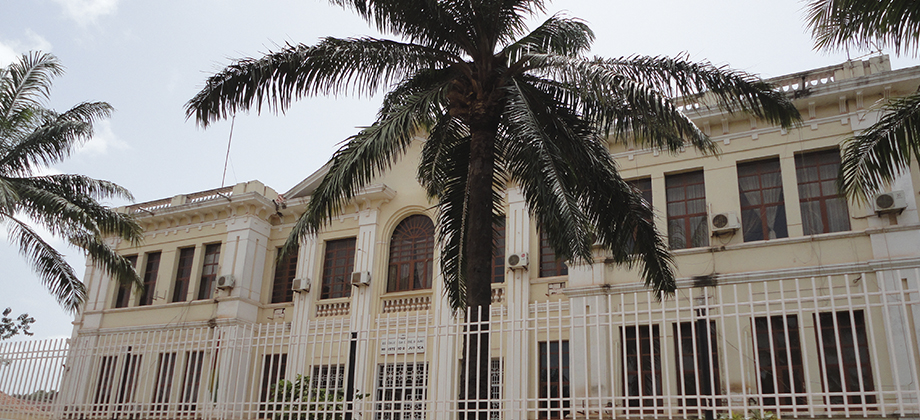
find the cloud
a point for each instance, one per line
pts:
(11, 50)
(103, 139)
(86, 11)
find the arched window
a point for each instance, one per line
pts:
(411, 255)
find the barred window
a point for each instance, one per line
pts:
(401, 391)
(642, 365)
(779, 360)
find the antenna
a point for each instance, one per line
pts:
(227, 158)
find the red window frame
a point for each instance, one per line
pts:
(817, 174)
(151, 269)
(338, 264)
(210, 266)
(688, 225)
(183, 274)
(285, 271)
(760, 190)
(411, 255)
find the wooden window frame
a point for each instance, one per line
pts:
(285, 272)
(755, 222)
(151, 270)
(123, 291)
(554, 379)
(828, 326)
(770, 340)
(184, 266)
(642, 359)
(827, 165)
(338, 265)
(693, 227)
(206, 285)
(411, 248)
(550, 265)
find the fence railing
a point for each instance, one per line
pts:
(831, 346)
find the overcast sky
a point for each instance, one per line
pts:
(147, 58)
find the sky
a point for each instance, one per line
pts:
(148, 58)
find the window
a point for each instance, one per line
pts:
(191, 381)
(642, 365)
(183, 274)
(109, 380)
(496, 373)
(846, 364)
(209, 271)
(338, 264)
(123, 291)
(273, 366)
(644, 185)
(150, 278)
(166, 365)
(687, 224)
(823, 209)
(550, 266)
(401, 391)
(285, 270)
(498, 251)
(697, 361)
(763, 210)
(329, 377)
(554, 379)
(411, 255)
(779, 360)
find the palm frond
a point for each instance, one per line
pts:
(48, 264)
(837, 24)
(733, 91)
(104, 257)
(26, 83)
(368, 154)
(558, 35)
(333, 66)
(543, 157)
(884, 150)
(53, 138)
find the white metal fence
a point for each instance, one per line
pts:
(831, 346)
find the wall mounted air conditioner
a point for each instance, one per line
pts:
(890, 202)
(517, 261)
(301, 285)
(724, 222)
(226, 281)
(361, 278)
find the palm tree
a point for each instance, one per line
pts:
(32, 137)
(881, 152)
(500, 106)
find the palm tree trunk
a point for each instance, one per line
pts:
(478, 271)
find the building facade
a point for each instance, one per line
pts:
(791, 301)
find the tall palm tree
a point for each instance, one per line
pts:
(500, 106)
(32, 137)
(884, 150)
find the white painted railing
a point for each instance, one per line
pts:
(841, 345)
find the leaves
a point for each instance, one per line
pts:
(33, 137)
(489, 94)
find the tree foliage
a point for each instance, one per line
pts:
(877, 155)
(33, 137)
(501, 106)
(10, 327)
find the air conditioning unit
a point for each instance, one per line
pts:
(890, 202)
(516, 261)
(724, 222)
(226, 281)
(301, 285)
(361, 278)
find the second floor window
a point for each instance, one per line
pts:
(824, 210)
(338, 264)
(285, 270)
(209, 271)
(183, 274)
(550, 265)
(498, 251)
(150, 278)
(763, 212)
(123, 291)
(411, 255)
(687, 224)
